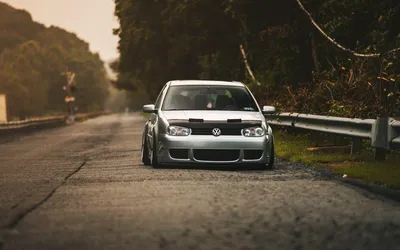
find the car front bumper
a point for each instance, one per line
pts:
(192, 144)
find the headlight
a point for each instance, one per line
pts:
(254, 132)
(178, 131)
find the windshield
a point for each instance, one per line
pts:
(209, 98)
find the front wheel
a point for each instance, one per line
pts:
(271, 161)
(145, 152)
(154, 160)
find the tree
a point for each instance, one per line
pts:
(299, 69)
(32, 63)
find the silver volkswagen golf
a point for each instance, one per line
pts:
(207, 122)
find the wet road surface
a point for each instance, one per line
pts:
(84, 187)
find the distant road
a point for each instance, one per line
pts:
(84, 187)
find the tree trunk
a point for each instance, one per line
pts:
(315, 54)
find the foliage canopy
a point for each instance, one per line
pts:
(299, 69)
(32, 58)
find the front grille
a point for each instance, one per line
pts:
(199, 128)
(216, 155)
(179, 153)
(224, 131)
(252, 154)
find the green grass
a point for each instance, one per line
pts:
(293, 147)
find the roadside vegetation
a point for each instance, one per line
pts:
(298, 68)
(32, 58)
(303, 147)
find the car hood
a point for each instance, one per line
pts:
(207, 115)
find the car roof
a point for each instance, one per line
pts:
(205, 82)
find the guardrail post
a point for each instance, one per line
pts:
(356, 146)
(3, 108)
(380, 138)
(380, 154)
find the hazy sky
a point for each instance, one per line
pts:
(91, 20)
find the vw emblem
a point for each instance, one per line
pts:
(216, 132)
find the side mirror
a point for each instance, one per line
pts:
(269, 110)
(149, 108)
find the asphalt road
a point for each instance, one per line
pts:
(84, 187)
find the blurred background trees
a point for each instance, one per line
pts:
(297, 67)
(32, 58)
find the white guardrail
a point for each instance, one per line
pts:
(33, 122)
(395, 124)
(43, 122)
(384, 133)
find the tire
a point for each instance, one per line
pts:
(271, 161)
(145, 152)
(154, 160)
